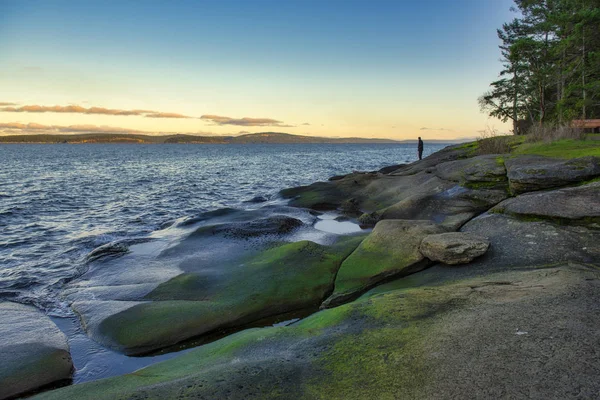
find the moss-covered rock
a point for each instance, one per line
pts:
(473, 338)
(33, 352)
(487, 170)
(392, 249)
(279, 280)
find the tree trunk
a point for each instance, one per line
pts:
(583, 113)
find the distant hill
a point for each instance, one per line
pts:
(262, 137)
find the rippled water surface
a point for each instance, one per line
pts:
(59, 202)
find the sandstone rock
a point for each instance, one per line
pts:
(484, 171)
(454, 247)
(450, 153)
(530, 173)
(580, 205)
(469, 339)
(447, 204)
(392, 249)
(33, 351)
(281, 279)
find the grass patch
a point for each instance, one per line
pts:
(566, 149)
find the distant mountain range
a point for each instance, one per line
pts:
(262, 137)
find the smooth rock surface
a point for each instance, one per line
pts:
(531, 173)
(33, 352)
(488, 171)
(284, 278)
(454, 247)
(580, 204)
(475, 338)
(391, 249)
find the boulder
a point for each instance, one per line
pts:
(453, 247)
(34, 353)
(390, 250)
(531, 173)
(578, 205)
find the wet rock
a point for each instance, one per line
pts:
(273, 225)
(257, 199)
(530, 173)
(114, 249)
(284, 278)
(454, 247)
(391, 249)
(391, 168)
(34, 353)
(369, 219)
(350, 207)
(578, 205)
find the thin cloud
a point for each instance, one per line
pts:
(165, 115)
(17, 128)
(306, 124)
(437, 129)
(220, 120)
(5, 103)
(18, 125)
(75, 109)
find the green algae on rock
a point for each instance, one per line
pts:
(392, 249)
(465, 339)
(34, 353)
(285, 278)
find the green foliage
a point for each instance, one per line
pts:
(551, 56)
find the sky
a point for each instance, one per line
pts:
(340, 68)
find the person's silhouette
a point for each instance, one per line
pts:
(420, 148)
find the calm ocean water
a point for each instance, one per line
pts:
(59, 202)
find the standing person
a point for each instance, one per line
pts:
(420, 148)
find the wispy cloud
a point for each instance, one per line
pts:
(6, 103)
(17, 128)
(306, 124)
(91, 110)
(437, 129)
(220, 120)
(165, 115)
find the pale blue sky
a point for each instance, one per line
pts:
(346, 68)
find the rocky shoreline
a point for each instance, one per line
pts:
(476, 276)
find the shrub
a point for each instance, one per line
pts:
(491, 142)
(547, 133)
